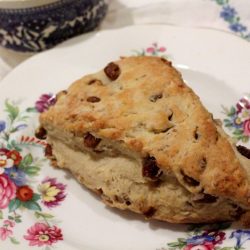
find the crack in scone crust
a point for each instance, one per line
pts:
(145, 107)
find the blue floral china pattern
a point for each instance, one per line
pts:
(211, 237)
(39, 28)
(230, 15)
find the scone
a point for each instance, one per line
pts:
(138, 136)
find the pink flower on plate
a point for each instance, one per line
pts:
(7, 191)
(5, 233)
(246, 127)
(41, 234)
(150, 50)
(204, 246)
(162, 49)
(243, 103)
(53, 192)
(44, 102)
(9, 223)
(218, 236)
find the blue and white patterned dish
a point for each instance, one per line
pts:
(36, 28)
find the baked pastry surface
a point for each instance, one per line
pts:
(136, 134)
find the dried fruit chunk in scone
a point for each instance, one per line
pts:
(138, 136)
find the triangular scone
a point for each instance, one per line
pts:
(139, 136)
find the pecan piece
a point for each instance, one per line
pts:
(41, 133)
(112, 71)
(150, 168)
(128, 203)
(90, 141)
(93, 99)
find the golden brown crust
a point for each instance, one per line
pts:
(150, 110)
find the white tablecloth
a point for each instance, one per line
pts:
(228, 15)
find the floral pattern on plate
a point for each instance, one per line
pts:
(231, 16)
(19, 189)
(153, 50)
(238, 119)
(210, 237)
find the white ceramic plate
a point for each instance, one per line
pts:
(45, 213)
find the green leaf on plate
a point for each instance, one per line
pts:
(12, 110)
(32, 171)
(17, 220)
(222, 2)
(232, 111)
(23, 118)
(238, 132)
(1, 214)
(14, 204)
(227, 121)
(10, 217)
(245, 138)
(32, 205)
(180, 244)
(12, 145)
(182, 240)
(36, 197)
(14, 240)
(174, 244)
(32, 109)
(27, 160)
(44, 215)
